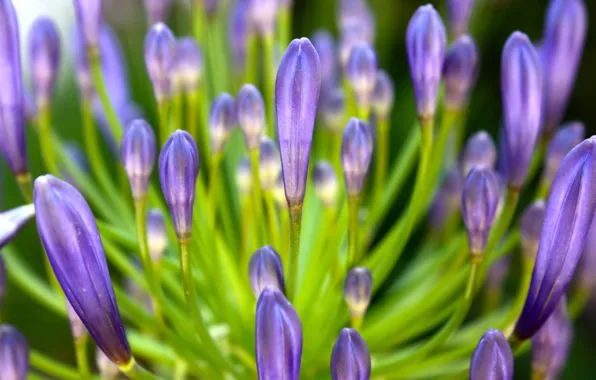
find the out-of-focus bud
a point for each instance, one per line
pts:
(89, 19)
(278, 337)
(279, 193)
(222, 121)
(14, 354)
(356, 153)
(333, 109)
(326, 183)
(531, 223)
(12, 221)
(44, 59)
(160, 52)
(459, 72)
(521, 92)
(238, 32)
(265, 270)
(78, 329)
(356, 23)
(550, 345)
(157, 236)
(567, 220)
(263, 15)
(361, 72)
(561, 51)
(178, 172)
(479, 201)
(137, 152)
(497, 274)
(358, 290)
(480, 150)
(297, 89)
(325, 46)
(426, 40)
(187, 67)
(269, 163)
(493, 358)
(566, 138)
(250, 111)
(107, 369)
(383, 95)
(244, 176)
(460, 12)
(350, 359)
(157, 10)
(447, 202)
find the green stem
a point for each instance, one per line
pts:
(499, 230)
(214, 179)
(295, 227)
(250, 73)
(257, 194)
(51, 367)
(82, 360)
(353, 229)
(134, 371)
(381, 156)
(269, 83)
(272, 219)
(164, 123)
(176, 114)
(45, 140)
(192, 119)
(520, 300)
(102, 92)
(26, 186)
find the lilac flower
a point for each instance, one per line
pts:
(89, 19)
(447, 202)
(565, 139)
(480, 150)
(358, 291)
(265, 270)
(531, 223)
(222, 121)
(332, 109)
(157, 236)
(326, 183)
(383, 95)
(350, 359)
(250, 112)
(239, 30)
(356, 153)
(493, 358)
(244, 176)
(361, 72)
(14, 354)
(550, 345)
(188, 65)
(459, 71)
(44, 58)
(137, 151)
(325, 46)
(12, 221)
(157, 10)
(460, 12)
(160, 50)
(269, 163)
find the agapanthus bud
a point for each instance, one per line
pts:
(459, 71)
(160, 52)
(157, 10)
(333, 109)
(531, 223)
(521, 92)
(239, 29)
(14, 354)
(480, 150)
(188, 65)
(448, 199)
(493, 358)
(356, 153)
(562, 46)
(77, 328)
(107, 369)
(71, 240)
(324, 44)
(479, 201)
(383, 95)
(269, 163)
(12, 110)
(326, 183)
(350, 359)
(137, 152)
(44, 58)
(157, 235)
(425, 40)
(265, 270)
(222, 121)
(263, 15)
(12, 221)
(244, 176)
(567, 219)
(356, 19)
(296, 96)
(349, 39)
(361, 72)
(279, 193)
(89, 19)
(566, 138)
(550, 345)
(459, 12)
(278, 337)
(178, 172)
(358, 290)
(250, 111)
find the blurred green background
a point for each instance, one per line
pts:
(491, 28)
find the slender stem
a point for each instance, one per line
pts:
(272, 219)
(192, 117)
(136, 372)
(203, 108)
(51, 367)
(257, 194)
(381, 155)
(295, 227)
(498, 231)
(269, 83)
(176, 114)
(250, 74)
(26, 186)
(520, 300)
(82, 360)
(356, 321)
(213, 192)
(353, 229)
(164, 123)
(43, 122)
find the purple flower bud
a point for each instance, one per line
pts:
(459, 71)
(566, 138)
(561, 52)
(76, 325)
(157, 10)
(178, 172)
(12, 221)
(383, 95)
(479, 201)
(350, 359)
(493, 358)
(326, 183)
(531, 223)
(157, 236)
(263, 15)
(333, 109)
(44, 57)
(12, 110)
(14, 354)
(567, 219)
(521, 91)
(265, 270)
(244, 176)
(222, 121)
(278, 337)
(350, 38)
(137, 151)
(447, 202)
(238, 32)
(361, 72)
(107, 369)
(550, 345)
(187, 67)
(250, 110)
(160, 51)
(2, 280)
(480, 150)
(269, 163)
(356, 152)
(426, 40)
(89, 19)
(325, 46)
(71, 240)
(296, 96)
(355, 17)
(460, 12)
(358, 290)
